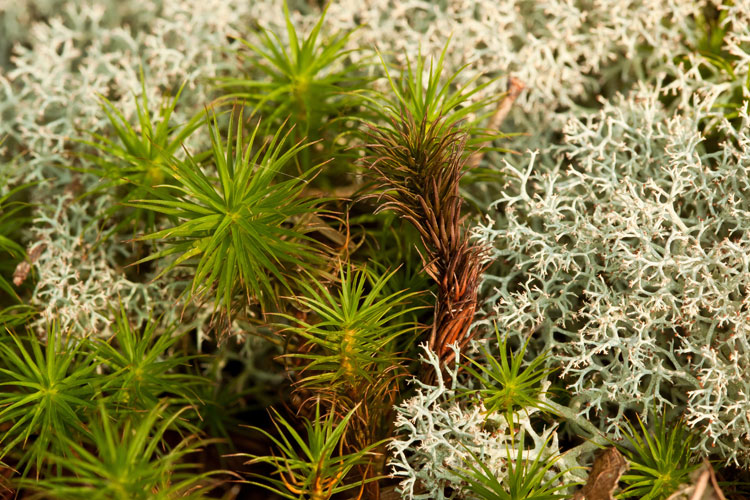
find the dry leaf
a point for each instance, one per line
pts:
(24, 267)
(609, 465)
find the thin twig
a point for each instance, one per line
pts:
(700, 486)
(515, 86)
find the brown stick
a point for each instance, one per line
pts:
(515, 86)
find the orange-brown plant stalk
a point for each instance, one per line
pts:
(418, 164)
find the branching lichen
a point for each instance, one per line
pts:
(437, 432)
(632, 252)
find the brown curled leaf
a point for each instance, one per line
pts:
(609, 466)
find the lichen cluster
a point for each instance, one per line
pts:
(611, 217)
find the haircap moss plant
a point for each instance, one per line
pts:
(660, 459)
(309, 82)
(507, 386)
(348, 354)
(418, 158)
(425, 95)
(126, 458)
(418, 166)
(439, 434)
(351, 341)
(44, 392)
(130, 159)
(241, 228)
(143, 368)
(312, 465)
(525, 478)
(51, 388)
